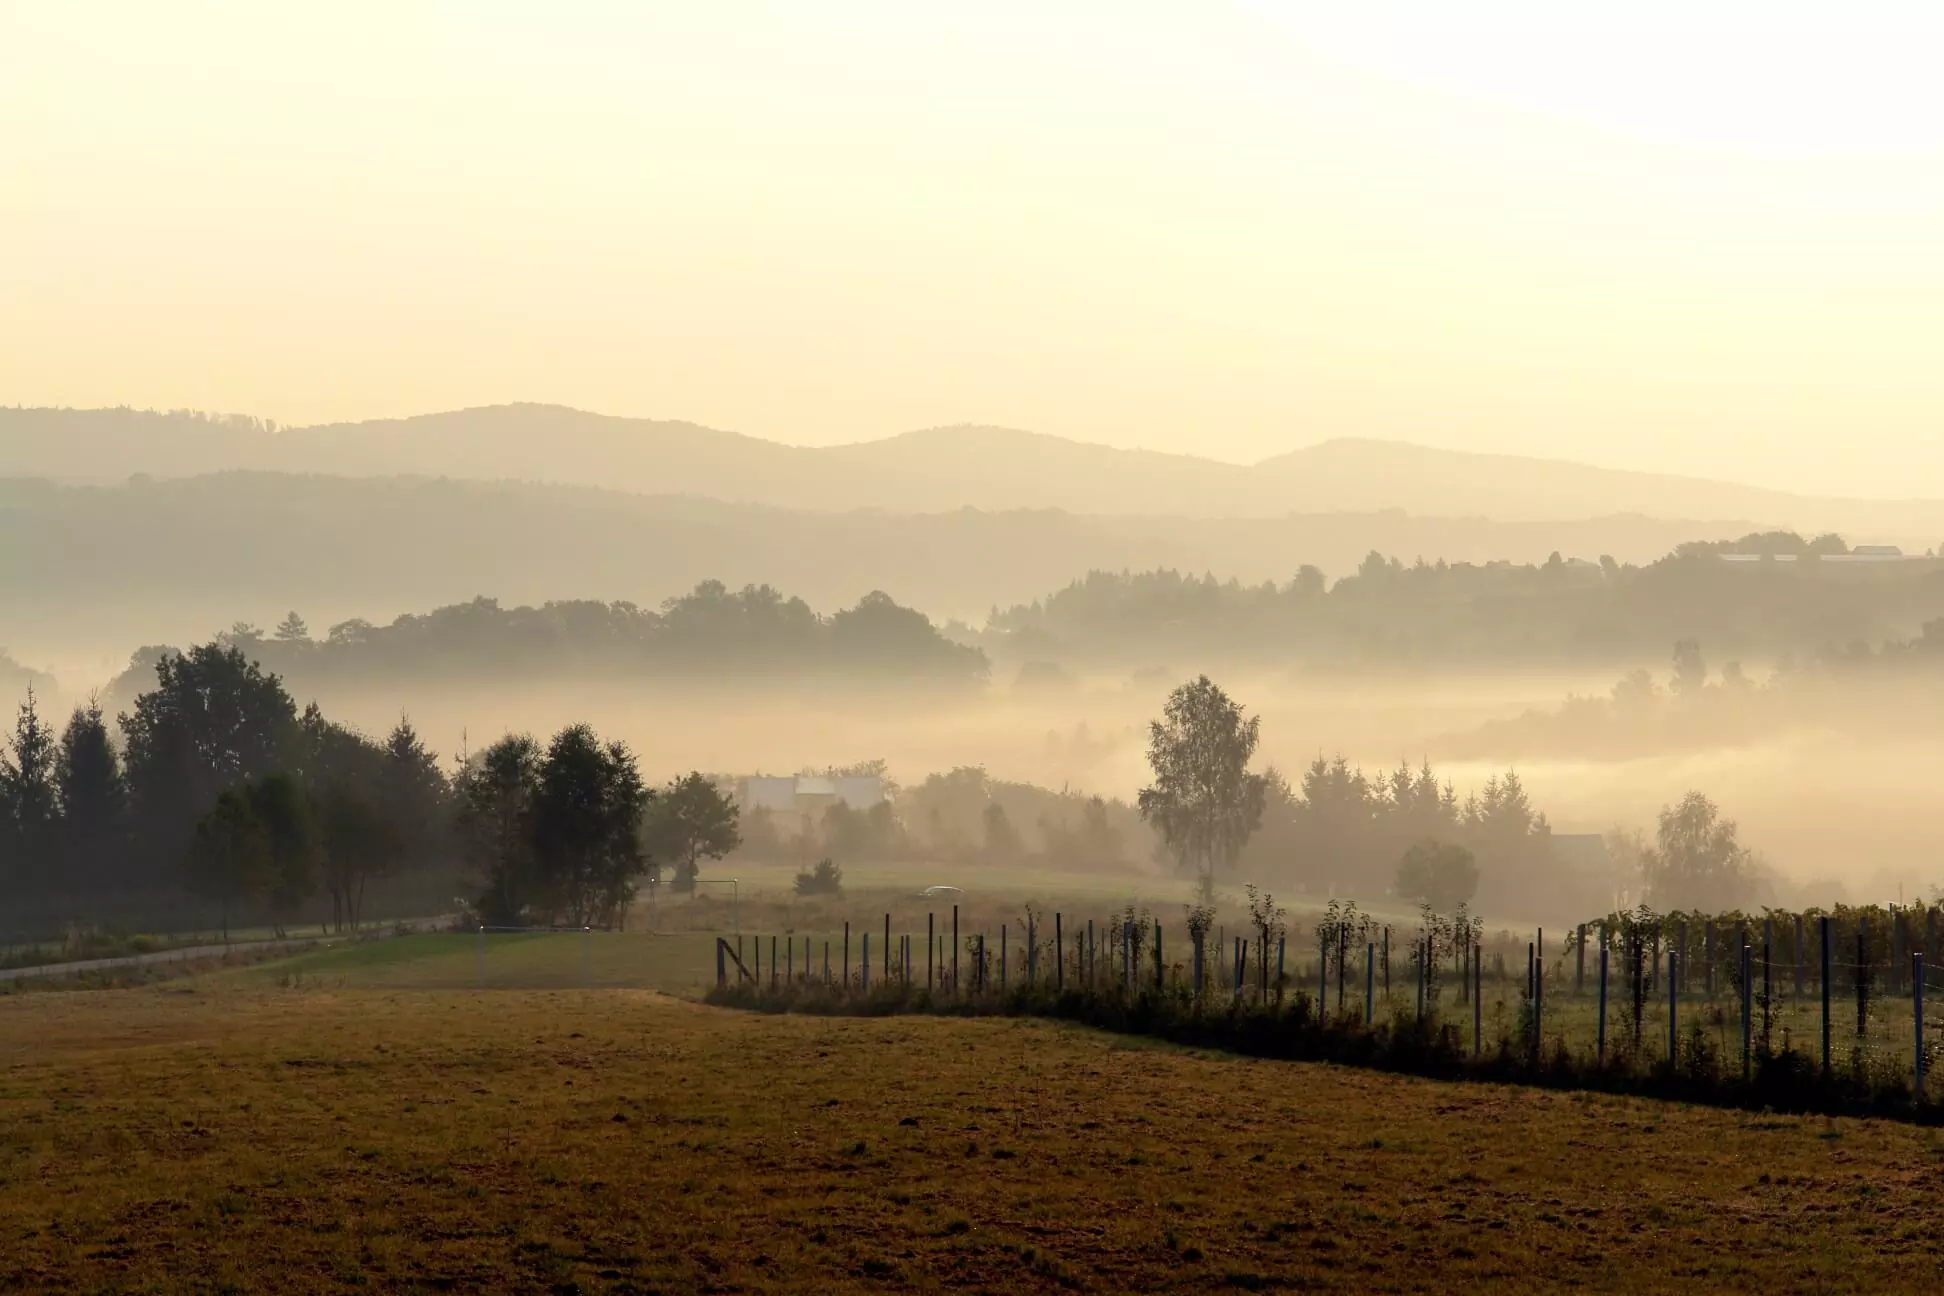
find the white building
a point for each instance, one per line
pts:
(803, 798)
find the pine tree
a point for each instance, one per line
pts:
(94, 797)
(28, 792)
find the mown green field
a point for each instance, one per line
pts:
(262, 1130)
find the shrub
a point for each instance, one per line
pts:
(825, 879)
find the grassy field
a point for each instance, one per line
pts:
(232, 1133)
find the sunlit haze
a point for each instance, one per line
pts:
(856, 646)
(1695, 238)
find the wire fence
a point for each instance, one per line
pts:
(1856, 995)
(1841, 994)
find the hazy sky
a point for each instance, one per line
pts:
(1688, 236)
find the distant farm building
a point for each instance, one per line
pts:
(1860, 554)
(802, 799)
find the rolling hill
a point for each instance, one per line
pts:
(936, 470)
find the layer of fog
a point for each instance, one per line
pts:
(1839, 811)
(1838, 817)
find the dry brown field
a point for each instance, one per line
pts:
(230, 1134)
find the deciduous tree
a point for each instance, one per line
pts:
(1443, 875)
(689, 821)
(1204, 801)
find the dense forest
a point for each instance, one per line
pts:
(1491, 616)
(1825, 605)
(711, 632)
(172, 559)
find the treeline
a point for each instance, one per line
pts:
(963, 817)
(1420, 616)
(710, 632)
(222, 803)
(217, 791)
(1492, 614)
(1339, 831)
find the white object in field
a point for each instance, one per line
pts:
(934, 892)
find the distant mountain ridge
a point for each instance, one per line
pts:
(929, 471)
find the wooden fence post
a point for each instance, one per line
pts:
(1823, 923)
(1579, 966)
(1897, 966)
(847, 958)
(1673, 1008)
(1798, 956)
(1343, 960)
(931, 951)
(1539, 1000)
(1160, 967)
(1262, 974)
(1768, 996)
(1708, 956)
(1370, 982)
(1059, 955)
(1002, 958)
(722, 964)
(1322, 976)
(1748, 995)
(1423, 948)
(1600, 1057)
(1478, 998)
(1195, 939)
(955, 952)
(865, 983)
(1768, 947)
(1917, 1018)
(1863, 993)
(1282, 966)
